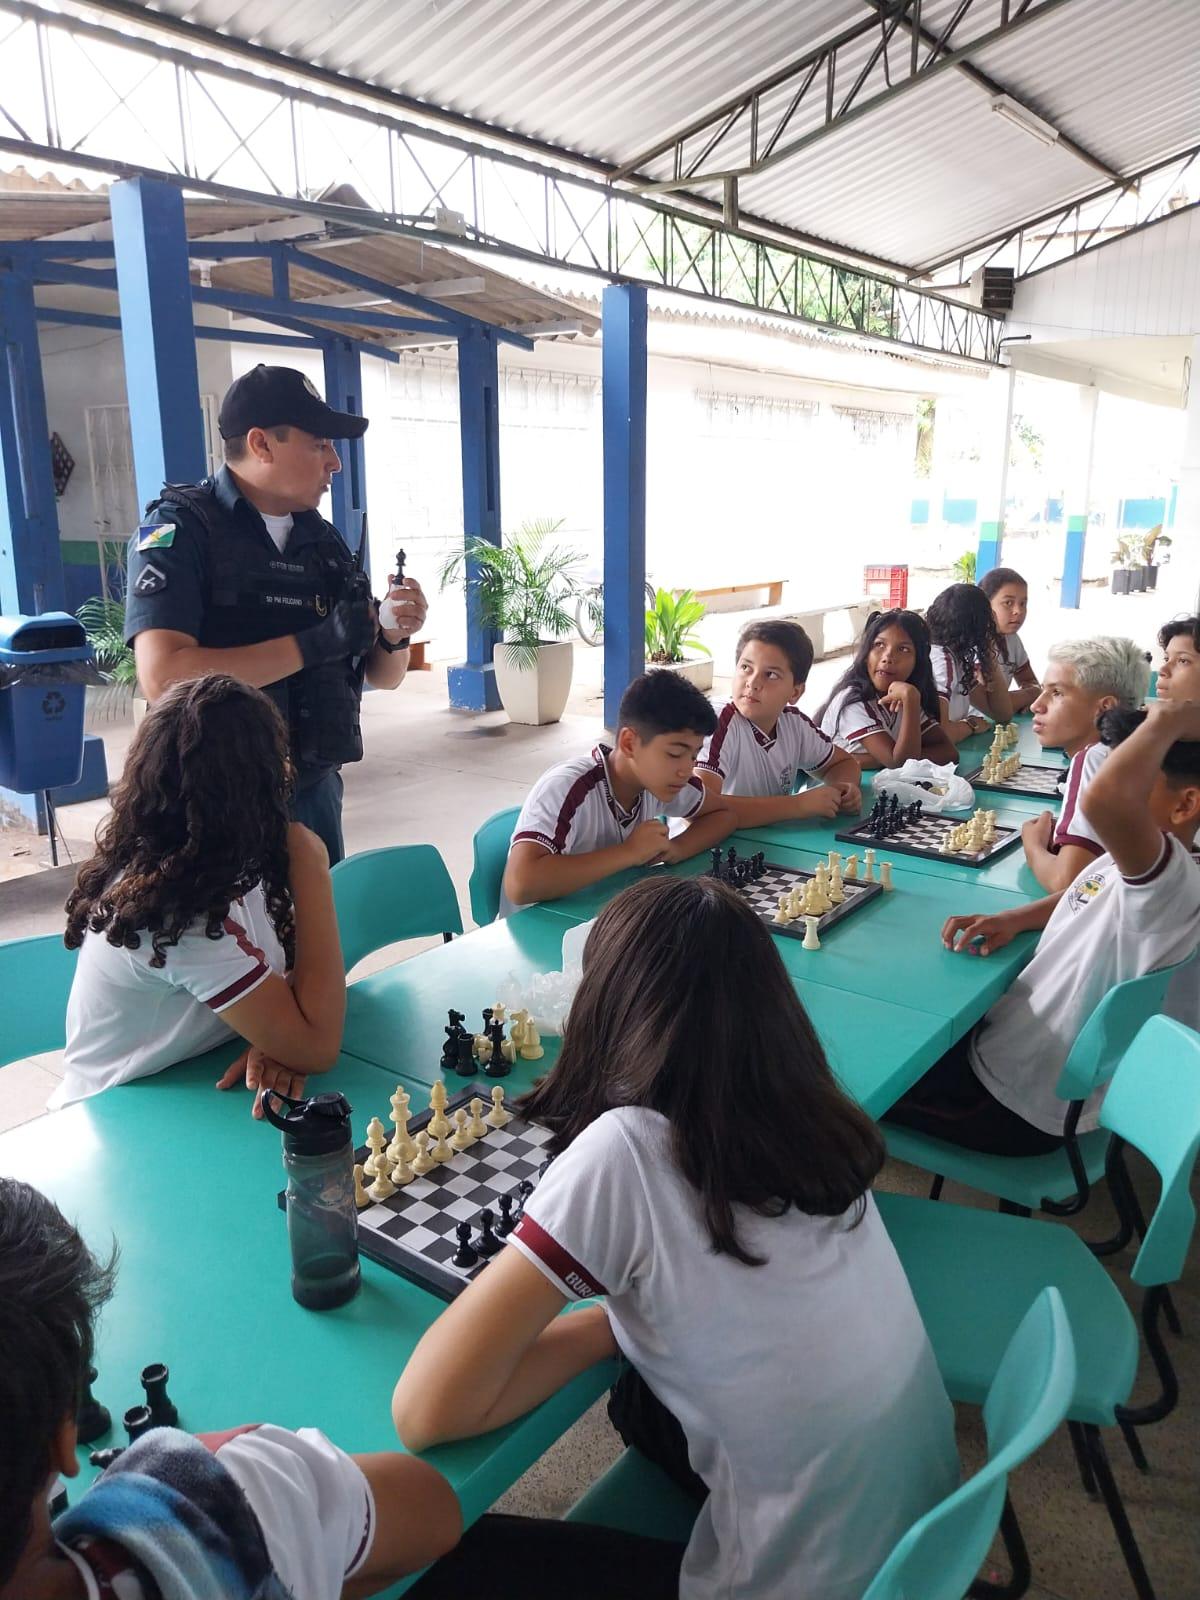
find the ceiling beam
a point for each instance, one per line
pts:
(992, 86)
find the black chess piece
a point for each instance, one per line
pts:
(507, 1221)
(465, 1256)
(92, 1420)
(524, 1190)
(105, 1458)
(715, 870)
(162, 1407)
(497, 1066)
(731, 856)
(138, 1421)
(914, 812)
(464, 1049)
(489, 1242)
(760, 864)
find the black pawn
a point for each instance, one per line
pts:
(138, 1421)
(731, 856)
(162, 1407)
(715, 870)
(525, 1189)
(465, 1053)
(488, 1242)
(105, 1458)
(464, 1256)
(507, 1221)
(92, 1420)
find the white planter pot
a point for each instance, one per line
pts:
(697, 670)
(538, 694)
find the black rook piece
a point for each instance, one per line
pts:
(92, 1420)
(465, 1047)
(162, 1407)
(464, 1256)
(138, 1421)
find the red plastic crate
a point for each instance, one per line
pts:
(887, 583)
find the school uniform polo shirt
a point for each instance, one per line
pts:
(848, 721)
(1013, 654)
(948, 680)
(751, 762)
(1105, 929)
(1073, 826)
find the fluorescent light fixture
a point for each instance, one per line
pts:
(1028, 121)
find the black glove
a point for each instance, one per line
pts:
(348, 630)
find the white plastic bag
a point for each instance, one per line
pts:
(937, 788)
(547, 996)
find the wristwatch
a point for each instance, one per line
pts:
(385, 643)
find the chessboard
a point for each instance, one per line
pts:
(415, 1230)
(913, 832)
(1028, 779)
(764, 882)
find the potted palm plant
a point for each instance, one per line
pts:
(523, 588)
(104, 623)
(669, 636)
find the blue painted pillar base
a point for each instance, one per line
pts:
(1072, 576)
(988, 554)
(472, 687)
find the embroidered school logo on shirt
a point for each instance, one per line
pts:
(1085, 890)
(156, 535)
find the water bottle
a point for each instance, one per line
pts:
(318, 1157)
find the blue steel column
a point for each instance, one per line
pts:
(624, 399)
(473, 684)
(344, 392)
(31, 573)
(162, 381)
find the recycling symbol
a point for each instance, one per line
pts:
(54, 704)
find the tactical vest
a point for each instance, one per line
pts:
(254, 593)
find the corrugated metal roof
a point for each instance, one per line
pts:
(922, 176)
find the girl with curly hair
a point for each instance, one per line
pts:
(968, 663)
(204, 913)
(884, 707)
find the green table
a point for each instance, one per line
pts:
(972, 751)
(186, 1181)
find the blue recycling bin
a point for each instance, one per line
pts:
(41, 701)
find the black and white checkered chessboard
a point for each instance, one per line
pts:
(763, 894)
(924, 838)
(1028, 779)
(413, 1231)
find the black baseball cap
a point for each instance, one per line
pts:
(278, 397)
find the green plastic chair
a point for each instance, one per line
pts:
(35, 980)
(972, 1271)
(1059, 1182)
(383, 896)
(939, 1556)
(491, 852)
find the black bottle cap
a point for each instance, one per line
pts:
(311, 1127)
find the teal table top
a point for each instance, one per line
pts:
(185, 1181)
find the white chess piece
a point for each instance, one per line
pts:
(438, 1125)
(885, 874)
(383, 1188)
(477, 1126)
(811, 942)
(402, 1170)
(835, 863)
(783, 915)
(361, 1197)
(499, 1013)
(376, 1139)
(851, 871)
(531, 1044)
(442, 1150)
(422, 1162)
(516, 1031)
(483, 1050)
(497, 1116)
(837, 892)
(869, 865)
(401, 1146)
(461, 1138)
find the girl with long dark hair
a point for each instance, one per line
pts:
(199, 901)
(712, 1180)
(884, 707)
(968, 666)
(1008, 596)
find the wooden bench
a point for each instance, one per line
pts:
(416, 656)
(814, 623)
(737, 592)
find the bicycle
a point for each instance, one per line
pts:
(589, 611)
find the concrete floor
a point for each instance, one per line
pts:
(432, 776)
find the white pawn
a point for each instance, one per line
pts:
(483, 1050)
(402, 1170)
(361, 1197)
(477, 1126)
(885, 874)
(376, 1138)
(422, 1162)
(497, 1116)
(783, 915)
(531, 1043)
(383, 1188)
(438, 1125)
(442, 1150)
(946, 847)
(461, 1138)
(811, 942)
(837, 892)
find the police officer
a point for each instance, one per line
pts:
(241, 574)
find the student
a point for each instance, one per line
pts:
(747, 1275)
(762, 738)
(1008, 593)
(965, 657)
(1083, 678)
(204, 914)
(1132, 910)
(884, 707)
(1179, 675)
(257, 1511)
(593, 816)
